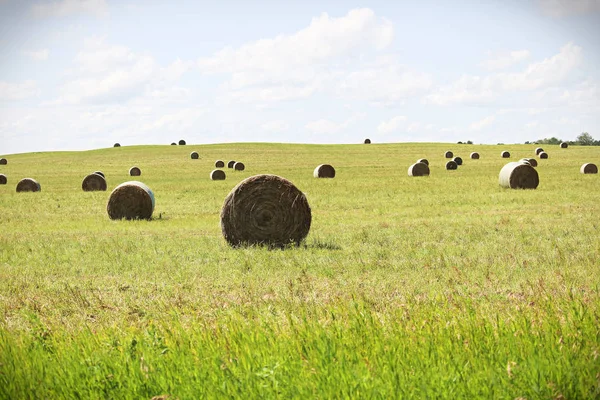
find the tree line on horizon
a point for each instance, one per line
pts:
(584, 139)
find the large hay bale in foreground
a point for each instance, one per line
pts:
(131, 200)
(418, 169)
(474, 155)
(182, 142)
(424, 161)
(538, 150)
(3, 179)
(448, 154)
(324, 171)
(367, 141)
(28, 185)
(543, 155)
(217, 175)
(3, 161)
(564, 145)
(451, 165)
(194, 155)
(135, 171)
(93, 182)
(589, 168)
(458, 160)
(239, 166)
(505, 154)
(265, 210)
(99, 173)
(230, 164)
(517, 175)
(219, 164)
(116, 145)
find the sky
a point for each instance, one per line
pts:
(84, 74)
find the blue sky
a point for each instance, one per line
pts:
(83, 74)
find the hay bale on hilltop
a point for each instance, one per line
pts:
(99, 173)
(217, 175)
(367, 141)
(324, 171)
(517, 175)
(219, 164)
(3, 161)
(239, 166)
(474, 155)
(3, 179)
(543, 155)
(265, 210)
(194, 155)
(589, 168)
(28, 185)
(418, 169)
(564, 145)
(451, 165)
(135, 171)
(131, 200)
(93, 182)
(458, 160)
(182, 142)
(505, 154)
(448, 154)
(230, 164)
(538, 150)
(173, 144)
(424, 161)
(116, 145)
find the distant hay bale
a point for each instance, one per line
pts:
(517, 175)
(99, 173)
(532, 161)
(3, 161)
(424, 161)
(217, 175)
(3, 179)
(543, 155)
(28, 185)
(564, 145)
(448, 154)
(265, 210)
(173, 144)
(538, 150)
(239, 166)
(219, 164)
(230, 164)
(505, 154)
(135, 171)
(131, 200)
(525, 161)
(324, 171)
(589, 168)
(116, 145)
(93, 182)
(194, 155)
(182, 142)
(367, 141)
(474, 155)
(418, 169)
(458, 160)
(451, 165)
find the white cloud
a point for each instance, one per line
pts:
(467, 90)
(64, 8)
(479, 125)
(563, 8)
(391, 125)
(177, 121)
(275, 126)
(504, 60)
(532, 125)
(18, 91)
(325, 126)
(176, 69)
(37, 55)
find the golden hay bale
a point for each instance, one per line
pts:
(217, 175)
(3, 179)
(367, 141)
(3, 161)
(538, 150)
(474, 155)
(219, 164)
(543, 155)
(324, 171)
(424, 161)
(418, 169)
(182, 142)
(458, 160)
(532, 161)
(194, 155)
(239, 166)
(505, 154)
(93, 182)
(564, 145)
(131, 200)
(28, 185)
(99, 173)
(265, 210)
(135, 171)
(451, 165)
(448, 154)
(517, 175)
(230, 164)
(589, 168)
(116, 145)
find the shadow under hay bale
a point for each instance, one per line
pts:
(474, 155)
(458, 160)
(230, 164)
(99, 173)
(217, 175)
(265, 210)
(182, 142)
(517, 175)
(532, 161)
(589, 168)
(505, 154)
(448, 154)
(3, 179)
(3, 161)
(424, 161)
(131, 200)
(367, 141)
(28, 185)
(418, 169)
(93, 182)
(543, 155)
(239, 166)
(538, 150)
(564, 145)
(451, 165)
(117, 145)
(324, 171)
(135, 171)
(219, 164)
(194, 155)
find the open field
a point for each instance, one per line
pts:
(445, 286)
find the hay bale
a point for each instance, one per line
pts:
(564, 145)
(474, 155)
(451, 165)
(418, 169)
(589, 168)
(505, 154)
(532, 161)
(517, 175)
(543, 155)
(525, 161)
(194, 155)
(116, 145)
(265, 210)
(324, 171)
(173, 144)
(219, 164)
(457, 160)
(93, 182)
(538, 150)
(230, 164)
(3, 179)
(448, 154)
(99, 173)
(424, 161)
(131, 200)
(28, 185)
(217, 175)
(135, 171)
(3, 161)
(239, 166)
(182, 142)
(367, 141)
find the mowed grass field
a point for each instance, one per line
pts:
(445, 286)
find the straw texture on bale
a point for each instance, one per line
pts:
(450, 165)
(194, 155)
(131, 200)
(135, 171)
(448, 154)
(457, 160)
(423, 160)
(532, 162)
(505, 154)
(117, 145)
(324, 171)
(3, 161)
(239, 166)
(543, 155)
(418, 169)
(474, 155)
(28, 185)
(564, 145)
(99, 173)
(517, 175)
(219, 164)
(230, 164)
(3, 179)
(589, 168)
(265, 210)
(182, 142)
(538, 150)
(93, 182)
(367, 141)
(217, 175)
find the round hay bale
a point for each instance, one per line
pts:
(3, 179)
(448, 154)
(457, 160)
(543, 155)
(194, 155)
(367, 141)
(217, 175)
(538, 150)
(116, 145)
(135, 171)
(131, 200)
(564, 145)
(505, 154)
(219, 164)
(532, 161)
(525, 161)
(589, 168)
(418, 169)
(451, 165)
(474, 155)
(517, 175)
(230, 164)
(99, 173)
(239, 166)
(324, 171)
(3, 161)
(93, 182)
(265, 210)
(173, 144)
(182, 142)
(28, 185)
(424, 161)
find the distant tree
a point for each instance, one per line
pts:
(460, 143)
(469, 142)
(527, 142)
(585, 139)
(551, 140)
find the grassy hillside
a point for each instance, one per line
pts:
(445, 286)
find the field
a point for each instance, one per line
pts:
(445, 286)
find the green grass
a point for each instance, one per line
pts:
(445, 286)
